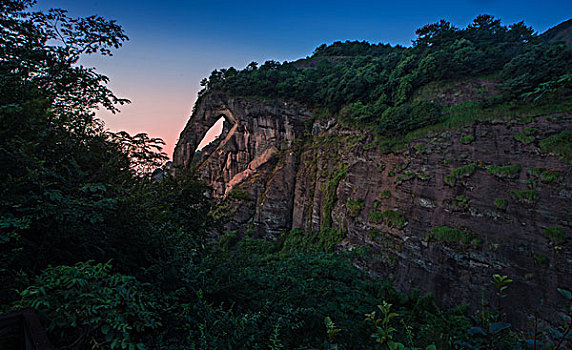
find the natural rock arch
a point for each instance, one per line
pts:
(208, 112)
(254, 133)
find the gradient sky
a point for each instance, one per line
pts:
(175, 43)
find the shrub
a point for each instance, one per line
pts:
(525, 196)
(505, 172)
(354, 207)
(87, 302)
(330, 194)
(545, 175)
(501, 203)
(459, 173)
(385, 194)
(391, 218)
(402, 119)
(555, 234)
(465, 140)
(239, 195)
(451, 235)
(540, 259)
(526, 139)
(559, 144)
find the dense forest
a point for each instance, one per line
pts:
(113, 259)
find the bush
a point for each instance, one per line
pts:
(459, 173)
(555, 234)
(88, 306)
(391, 218)
(505, 172)
(398, 121)
(451, 235)
(559, 144)
(501, 203)
(525, 196)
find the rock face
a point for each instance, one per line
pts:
(256, 135)
(443, 215)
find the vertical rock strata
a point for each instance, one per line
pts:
(443, 215)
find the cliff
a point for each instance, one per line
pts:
(442, 215)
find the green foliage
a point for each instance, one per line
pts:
(563, 332)
(525, 196)
(460, 173)
(383, 334)
(451, 235)
(385, 194)
(331, 331)
(501, 203)
(550, 88)
(493, 333)
(526, 139)
(465, 140)
(239, 195)
(537, 64)
(461, 203)
(391, 218)
(87, 305)
(372, 84)
(354, 207)
(559, 144)
(326, 239)
(403, 119)
(555, 234)
(540, 259)
(505, 171)
(330, 194)
(545, 175)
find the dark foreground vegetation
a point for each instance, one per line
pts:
(112, 259)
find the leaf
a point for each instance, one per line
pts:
(464, 345)
(497, 327)
(565, 293)
(477, 331)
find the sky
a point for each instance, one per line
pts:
(175, 43)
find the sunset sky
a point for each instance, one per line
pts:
(175, 43)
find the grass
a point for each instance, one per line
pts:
(545, 175)
(555, 234)
(540, 260)
(526, 139)
(354, 207)
(326, 239)
(455, 117)
(385, 194)
(391, 218)
(239, 194)
(451, 235)
(330, 194)
(465, 140)
(559, 144)
(459, 173)
(505, 171)
(525, 196)
(501, 203)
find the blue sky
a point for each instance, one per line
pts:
(175, 43)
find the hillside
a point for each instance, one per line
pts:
(448, 179)
(561, 32)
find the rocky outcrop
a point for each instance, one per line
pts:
(442, 215)
(246, 157)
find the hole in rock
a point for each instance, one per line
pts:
(212, 135)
